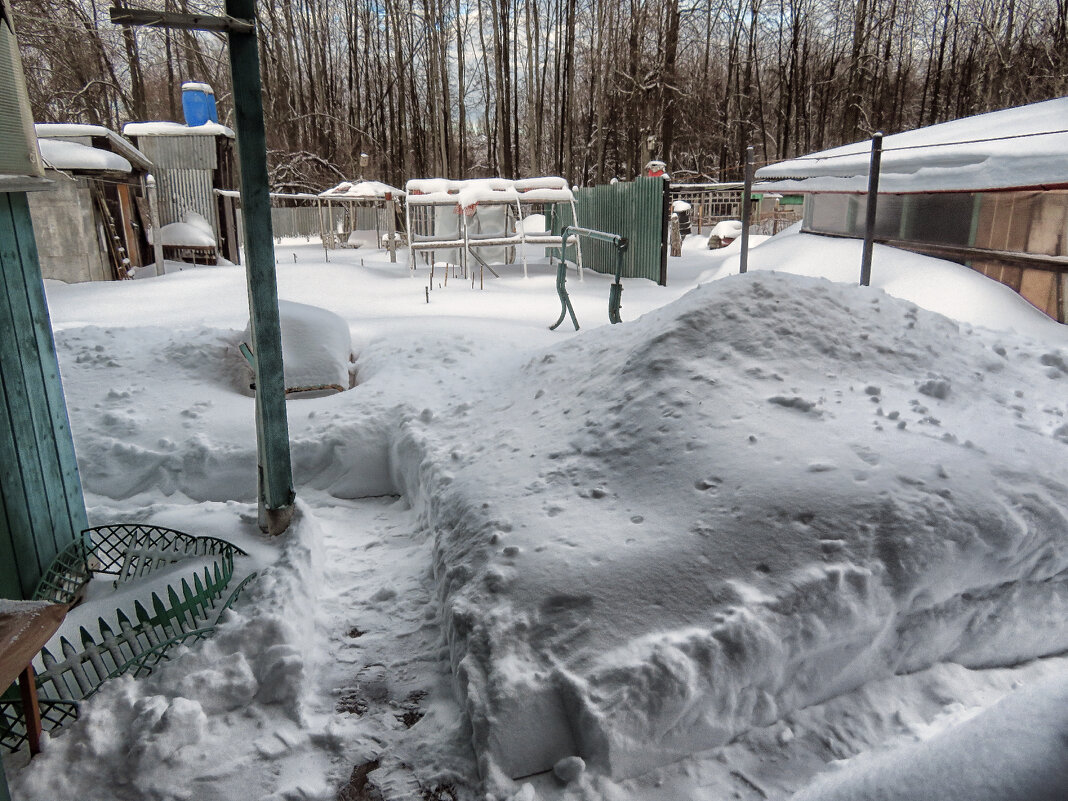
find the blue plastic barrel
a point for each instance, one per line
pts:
(198, 104)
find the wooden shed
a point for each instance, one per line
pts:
(989, 191)
(191, 162)
(91, 226)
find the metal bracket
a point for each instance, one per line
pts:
(615, 292)
(174, 19)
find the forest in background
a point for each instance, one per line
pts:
(586, 89)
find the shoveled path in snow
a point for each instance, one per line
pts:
(384, 684)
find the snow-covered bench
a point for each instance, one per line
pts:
(482, 210)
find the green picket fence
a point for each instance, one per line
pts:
(637, 211)
(122, 646)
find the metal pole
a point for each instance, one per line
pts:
(157, 238)
(869, 217)
(272, 427)
(391, 227)
(747, 191)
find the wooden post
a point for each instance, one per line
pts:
(275, 472)
(31, 711)
(869, 219)
(41, 506)
(157, 238)
(747, 191)
(391, 227)
(5, 793)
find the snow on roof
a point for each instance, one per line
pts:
(438, 191)
(1013, 148)
(77, 132)
(193, 86)
(60, 130)
(176, 129)
(63, 155)
(367, 190)
(546, 182)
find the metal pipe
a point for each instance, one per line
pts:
(747, 191)
(869, 217)
(276, 493)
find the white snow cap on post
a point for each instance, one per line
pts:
(368, 190)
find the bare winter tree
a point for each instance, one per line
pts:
(588, 89)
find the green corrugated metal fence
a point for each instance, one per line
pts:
(636, 210)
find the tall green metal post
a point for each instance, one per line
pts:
(272, 427)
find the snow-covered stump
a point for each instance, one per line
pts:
(711, 530)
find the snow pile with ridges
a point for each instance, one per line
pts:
(604, 529)
(659, 536)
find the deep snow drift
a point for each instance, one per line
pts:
(772, 524)
(767, 493)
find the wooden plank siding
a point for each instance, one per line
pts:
(41, 495)
(1018, 238)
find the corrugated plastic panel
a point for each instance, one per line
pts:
(18, 145)
(635, 210)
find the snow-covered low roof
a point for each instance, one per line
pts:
(1009, 149)
(176, 129)
(63, 155)
(439, 191)
(84, 134)
(362, 190)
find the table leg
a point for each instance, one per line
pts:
(30, 710)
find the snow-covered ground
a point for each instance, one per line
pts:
(774, 535)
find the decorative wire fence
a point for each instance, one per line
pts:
(123, 646)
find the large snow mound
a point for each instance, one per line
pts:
(824, 478)
(1016, 749)
(933, 284)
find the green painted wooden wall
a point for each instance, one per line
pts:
(637, 210)
(41, 505)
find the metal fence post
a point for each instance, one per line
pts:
(869, 217)
(275, 470)
(747, 192)
(391, 227)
